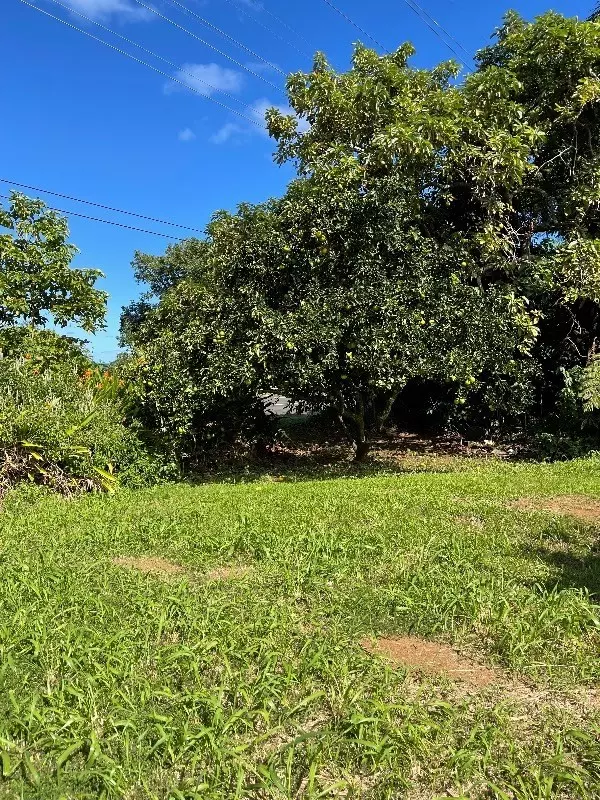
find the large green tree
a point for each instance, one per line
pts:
(555, 215)
(345, 299)
(37, 281)
(429, 220)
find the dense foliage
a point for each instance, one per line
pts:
(64, 429)
(190, 381)
(437, 231)
(62, 419)
(37, 281)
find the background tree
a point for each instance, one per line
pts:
(37, 282)
(555, 213)
(192, 385)
(346, 300)
(62, 419)
(429, 224)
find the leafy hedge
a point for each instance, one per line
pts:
(65, 429)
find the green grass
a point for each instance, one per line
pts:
(118, 684)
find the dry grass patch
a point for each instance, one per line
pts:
(586, 509)
(227, 573)
(160, 567)
(475, 523)
(150, 565)
(431, 658)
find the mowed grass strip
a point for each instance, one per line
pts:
(243, 674)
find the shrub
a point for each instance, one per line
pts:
(64, 428)
(192, 381)
(192, 416)
(44, 348)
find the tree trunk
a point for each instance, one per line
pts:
(360, 445)
(354, 426)
(382, 417)
(361, 450)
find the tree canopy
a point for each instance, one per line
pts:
(431, 224)
(37, 281)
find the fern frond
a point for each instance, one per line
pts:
(589, 391)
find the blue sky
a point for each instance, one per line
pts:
(84, 120)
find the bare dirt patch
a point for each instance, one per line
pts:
(150, 565)
(160, 567)
(586, 509)
(227, 573)
(431, 658)
(470, 522)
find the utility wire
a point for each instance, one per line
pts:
(354, 24)
(208, 44)
(99, 205)
(145, 64)
(420, 12)
(438, 25)
(227, 36)
(105, 221)
(261, 24)
(192, 75)
(285, 25)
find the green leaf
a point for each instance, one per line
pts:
(81, 425)
(6, 764)
(31, 774)
(67, 754)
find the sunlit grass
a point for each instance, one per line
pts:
(118, 684)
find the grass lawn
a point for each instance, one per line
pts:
(244, 653)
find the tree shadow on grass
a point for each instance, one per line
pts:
(573, 564)
(329, 462)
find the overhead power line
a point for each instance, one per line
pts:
(209, 24)
(211, 46)
(145, 64)
(254, 18)
(282, 22)
(354, 24)
(100, 205)
(433, 26)
(441, 27)
(106, 221)
(172, 64)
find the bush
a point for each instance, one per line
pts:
(44, 348)
(193, 383)
(64, 428)
(190, 417)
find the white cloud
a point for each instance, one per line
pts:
(206, 79)
(262, 66)
(254, 4)
(104, 8)
(186, 135)
(237, 131)
(229, 131)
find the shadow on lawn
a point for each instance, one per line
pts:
(572, 569)
(314, 462)
(313, 447)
